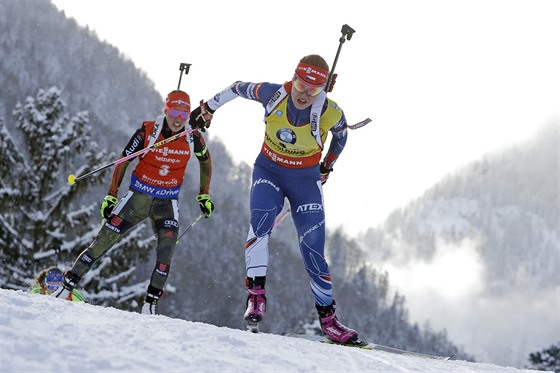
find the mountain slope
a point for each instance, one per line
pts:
(483, 246)
(41, 334)
(42, 48)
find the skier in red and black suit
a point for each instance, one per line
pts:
(298, 118)
(154, 190)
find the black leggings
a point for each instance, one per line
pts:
(133, 208)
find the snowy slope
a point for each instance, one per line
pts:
(42, 334)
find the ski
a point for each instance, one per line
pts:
(318, 338)
(367, 346)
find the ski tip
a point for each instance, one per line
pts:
(364, 346)
(360, 343)
(352, 343)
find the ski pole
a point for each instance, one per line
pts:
(72, 179)
(280, 218)
(190, 226)
(183, 67)
(277, 222)
(347, 33)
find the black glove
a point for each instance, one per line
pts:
(206, 204)
(324, 173)
(107, 206)
(201, 117)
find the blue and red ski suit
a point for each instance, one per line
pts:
(288, 167)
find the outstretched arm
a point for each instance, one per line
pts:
(201, 117)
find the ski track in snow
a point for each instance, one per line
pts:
(40, 334)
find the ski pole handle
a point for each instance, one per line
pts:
(347, 33)
(183, 67)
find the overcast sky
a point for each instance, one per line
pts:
(443, 81)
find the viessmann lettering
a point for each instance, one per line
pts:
(310, 69)
(166, 151)
(275, 158)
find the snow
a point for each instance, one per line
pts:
(43, 334)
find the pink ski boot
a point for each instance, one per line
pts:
(333, 329)
(256, 302)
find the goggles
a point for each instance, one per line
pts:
(174, 113)
(53, 280)
(303, 87)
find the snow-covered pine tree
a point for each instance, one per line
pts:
(42, 211)
(548, 359)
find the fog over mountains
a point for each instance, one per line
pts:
(480, 249)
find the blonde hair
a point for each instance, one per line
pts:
(316, 60)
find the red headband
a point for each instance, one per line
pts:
(178, 99)
(312, 75)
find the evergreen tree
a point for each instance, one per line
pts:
(42, 213)
(547, 359)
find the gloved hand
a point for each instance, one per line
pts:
(206, 204)
(201, 117)
(324, 173)
(107, 206)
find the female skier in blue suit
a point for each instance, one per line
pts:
(298, 118)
